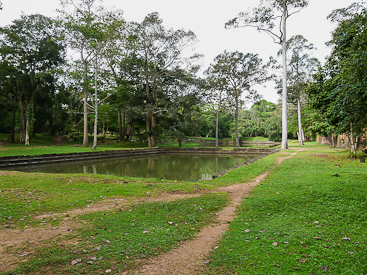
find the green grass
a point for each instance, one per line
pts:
(254, 139)
(25, 195)
(117, 239)
(44, 144)
(301, 220)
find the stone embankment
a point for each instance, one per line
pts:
(52, 158)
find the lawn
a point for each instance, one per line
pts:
(307, 217)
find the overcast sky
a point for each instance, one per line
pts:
(206, 18)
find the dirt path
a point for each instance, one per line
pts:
(2, 142)
(188, 258)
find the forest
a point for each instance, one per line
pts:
(90, 72)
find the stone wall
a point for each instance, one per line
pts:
(52, 158)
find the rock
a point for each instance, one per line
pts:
(108, 271)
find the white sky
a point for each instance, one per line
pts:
(206, 18)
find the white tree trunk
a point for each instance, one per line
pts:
(27, 132)
(85, 115)
(236, 125)
(300, 130)
(216, 130)
(95, 108)
(284, 99)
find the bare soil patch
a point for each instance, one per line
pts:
(60, 140)
(5, 173)
(2, 142)
(320, 155)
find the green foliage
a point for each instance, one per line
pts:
(338, 92)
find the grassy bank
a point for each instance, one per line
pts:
(308, 217)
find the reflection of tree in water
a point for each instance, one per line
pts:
(167, 166)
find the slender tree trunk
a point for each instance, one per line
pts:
(147, 114)
(23, 118)
(284, 98)
(32, 119)
(121, 132)
(95, 106)
(217, 130)
(27, 128)
(123, 125)
(85, 133)
(300, 130)
(236, 126)
(13, 127)
(353, 145)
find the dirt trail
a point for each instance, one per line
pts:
(2, 142)
(188, 258)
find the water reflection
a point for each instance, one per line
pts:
(168, 166)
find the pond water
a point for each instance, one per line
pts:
(181, 167)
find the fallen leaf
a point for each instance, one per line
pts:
(275, 243)
(324, 267)
(247, 230)
(297, 268)
(108, 271)
(302, 261)
(350, 252)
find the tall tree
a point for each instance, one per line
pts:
(77, 16)
(339, 89)
(161, 52)
(264, 19)
(215, 85)
(301, 65)
(238, 72)
(32, 49)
